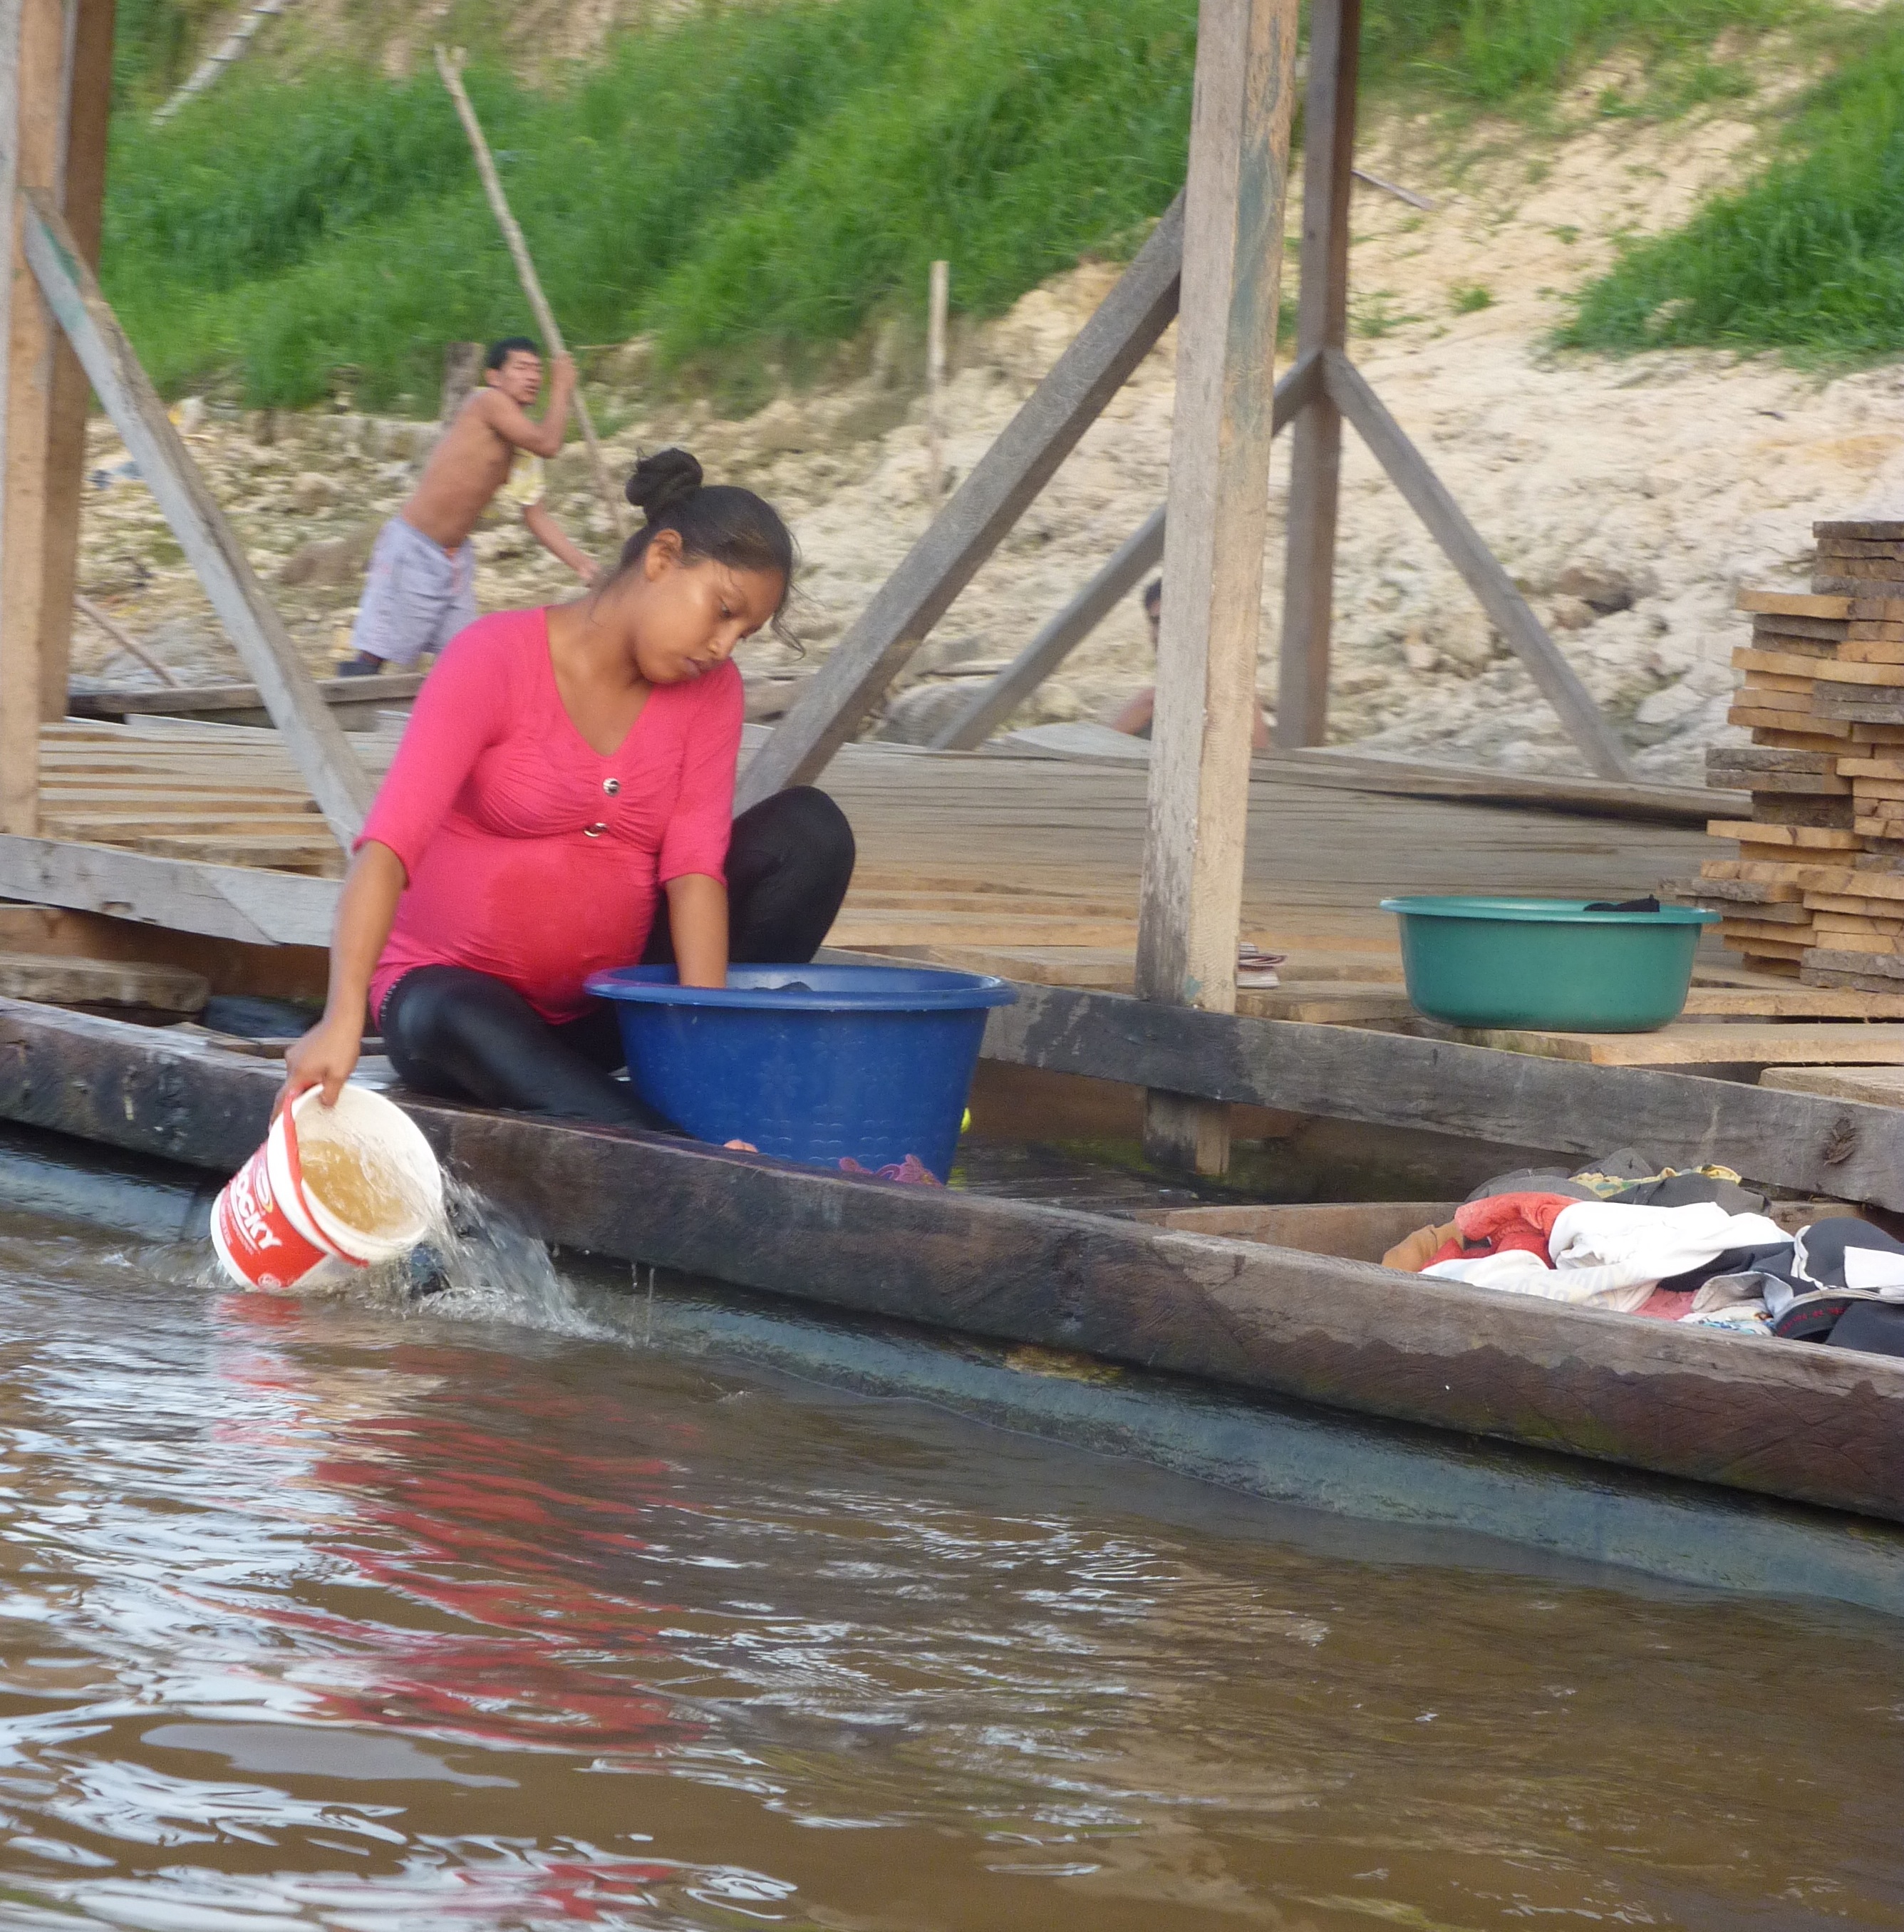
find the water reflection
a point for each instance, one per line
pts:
(324, 1616)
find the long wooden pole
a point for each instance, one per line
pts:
(1302, 712)
(935, 381)
(1191, 904)
(531, 286)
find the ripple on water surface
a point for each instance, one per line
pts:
(318, 1616)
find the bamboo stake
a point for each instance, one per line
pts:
(123, 638)
(935, 379)
(451, 71)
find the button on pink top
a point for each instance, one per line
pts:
(531, 856)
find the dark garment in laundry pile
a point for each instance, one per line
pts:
(1840, 1281)
(1834, 1268)
(1632, 1180)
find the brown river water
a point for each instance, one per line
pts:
(332, 1614)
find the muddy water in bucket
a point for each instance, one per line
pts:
(347, 1177)
(326, 1612)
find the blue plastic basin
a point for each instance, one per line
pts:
(811, 1063)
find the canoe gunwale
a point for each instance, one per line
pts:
(1808, 1424)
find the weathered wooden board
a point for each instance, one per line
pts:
(1873, 1086)
(1790, 604)
(1788, 1002)
(1816, 1425)
(1517, 1099)
(353, 701)
(221, 902)
(1683, 1044)
(1756, 832)
(69, 981)
(1352, 1231)
(1858, 528)
(1871, 673)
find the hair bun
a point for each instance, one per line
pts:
(661, 481)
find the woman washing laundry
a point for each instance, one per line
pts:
(561, 802)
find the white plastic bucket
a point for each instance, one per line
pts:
(272, 1231)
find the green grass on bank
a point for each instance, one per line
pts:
(1493, 51)
(1808, 258)
(747, 183)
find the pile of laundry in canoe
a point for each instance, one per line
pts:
(1693, 1247)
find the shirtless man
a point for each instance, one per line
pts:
(1133, 719)
(421, 588)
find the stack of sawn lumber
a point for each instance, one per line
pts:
(1817, 891)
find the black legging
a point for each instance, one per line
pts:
(452, 1031)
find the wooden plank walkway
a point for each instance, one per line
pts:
(1029, 867)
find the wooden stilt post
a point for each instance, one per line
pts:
(1302, 712)
(34, 53)
(1191, 905)
(89, 95)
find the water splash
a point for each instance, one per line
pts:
(489, 1270)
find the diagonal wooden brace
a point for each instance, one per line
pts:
(969, 528)
(339, 784)
(1428, 496)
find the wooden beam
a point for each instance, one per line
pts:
(1339, 1072)
(1309, 586)
(966, 532)
(311, 734)
(1191, 899)
(239, 902)
(1428, 496)
(1061, 634)
(35, 56)
(1814, 1425)
(89, 96)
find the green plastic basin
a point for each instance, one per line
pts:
(1497, 962)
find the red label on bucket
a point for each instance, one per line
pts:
(255, 1232)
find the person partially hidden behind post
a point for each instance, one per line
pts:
(421, 588)
(1134, 720)
(560, 802)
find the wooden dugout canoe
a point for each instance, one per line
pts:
(1793, 1420)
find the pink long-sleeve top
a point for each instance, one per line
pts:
(530, 856)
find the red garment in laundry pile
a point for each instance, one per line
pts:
(1504, 1224)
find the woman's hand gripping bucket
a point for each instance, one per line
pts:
(332, 1190)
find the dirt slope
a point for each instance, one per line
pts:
(1667, 480)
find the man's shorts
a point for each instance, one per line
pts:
(418, 596)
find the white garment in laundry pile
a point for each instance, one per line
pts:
(1607, 1254)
